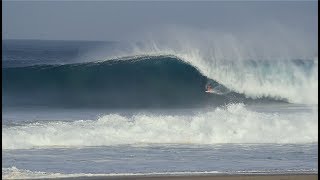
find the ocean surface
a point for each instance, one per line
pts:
(84, 108)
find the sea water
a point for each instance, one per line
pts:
(66, 115)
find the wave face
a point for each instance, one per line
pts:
(233, 123)
(144, 81)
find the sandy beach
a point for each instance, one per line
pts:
(206, 177)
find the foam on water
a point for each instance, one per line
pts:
(231, 124)
(15, 173)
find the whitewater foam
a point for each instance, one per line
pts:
(222, 57)
(231, 124)
(16, 173)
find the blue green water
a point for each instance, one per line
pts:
(69, 110)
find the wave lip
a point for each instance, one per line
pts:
(231, 124)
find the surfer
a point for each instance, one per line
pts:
(209, 88)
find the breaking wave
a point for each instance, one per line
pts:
(229, 124)
(159, 81)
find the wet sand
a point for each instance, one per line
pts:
(205, 177)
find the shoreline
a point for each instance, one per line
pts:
(218, 176)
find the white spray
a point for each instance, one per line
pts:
(223, 57)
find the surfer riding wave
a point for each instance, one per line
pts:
(209, 88)
(218, 89)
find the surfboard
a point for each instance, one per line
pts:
(215, 92)
(212, 91)
(209, 91)
(216, 89)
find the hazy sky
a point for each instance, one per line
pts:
(103, 20)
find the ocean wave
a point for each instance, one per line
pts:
(158, 81)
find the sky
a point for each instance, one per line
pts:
(116, 21)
